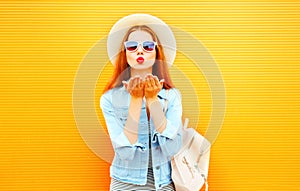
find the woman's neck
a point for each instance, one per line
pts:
(142, 73)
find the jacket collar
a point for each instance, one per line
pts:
(162, 94)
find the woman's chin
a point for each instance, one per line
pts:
(142, 66)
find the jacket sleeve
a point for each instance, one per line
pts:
(120, 142)
(170, 140)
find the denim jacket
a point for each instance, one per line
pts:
(130, 163)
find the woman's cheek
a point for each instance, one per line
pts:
(130, 59)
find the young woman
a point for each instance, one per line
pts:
(145, 134)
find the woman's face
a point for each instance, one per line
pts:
(140, 59)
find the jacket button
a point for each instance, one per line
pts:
(157, 167)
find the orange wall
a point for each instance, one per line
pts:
(256, 45)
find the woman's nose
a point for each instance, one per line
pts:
(140, 49)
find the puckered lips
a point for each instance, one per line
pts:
(140, 60)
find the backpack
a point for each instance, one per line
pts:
(190, 165)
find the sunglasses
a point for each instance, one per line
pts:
(132, 46)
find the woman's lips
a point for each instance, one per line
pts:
(140, 60)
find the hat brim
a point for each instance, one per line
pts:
(161, 29)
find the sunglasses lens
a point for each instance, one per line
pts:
(149, 46)
(131, 45)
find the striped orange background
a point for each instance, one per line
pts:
(255, 43)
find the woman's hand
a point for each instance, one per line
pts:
(135, 86)
(152, 86)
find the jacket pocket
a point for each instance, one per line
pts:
(165, 168)
(121, 168)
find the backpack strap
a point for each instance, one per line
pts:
(166, 102)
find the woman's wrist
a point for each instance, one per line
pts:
(136, 99)
(151, 100)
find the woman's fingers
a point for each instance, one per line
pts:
(135, 86)
(161, 82)
(156, 81)
(130, 83)
(141, 83)
(146, 82)
(152, 82)
(125, 84)
(134, 83)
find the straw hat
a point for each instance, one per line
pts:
(161, 29)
